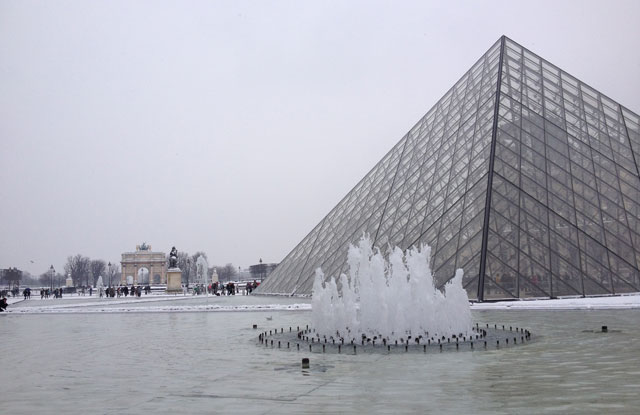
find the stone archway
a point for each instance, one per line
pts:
(144, 266)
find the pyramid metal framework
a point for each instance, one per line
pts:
(522, 175)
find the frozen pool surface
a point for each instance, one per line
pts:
(211, 362)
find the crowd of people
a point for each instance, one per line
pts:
(217, 288)
(14, 292)
(123, 291)
(46, 293)
(81, 291)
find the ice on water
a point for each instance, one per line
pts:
(390, 299)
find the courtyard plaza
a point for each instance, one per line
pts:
(202, 355)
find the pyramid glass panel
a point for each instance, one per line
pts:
(522, 175)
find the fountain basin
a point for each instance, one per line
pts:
(482, 337)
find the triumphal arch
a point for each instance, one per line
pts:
(143, 266)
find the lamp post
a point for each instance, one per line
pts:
(109, 271)
(188, 272)
(51, 272)
(205, 270)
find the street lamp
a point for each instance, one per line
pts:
(188, 272)
(109, 271)
(261, 270)
(51, 272)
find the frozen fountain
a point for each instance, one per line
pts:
(100, 286)
(390, 306)
(389, 300)
(202, 272)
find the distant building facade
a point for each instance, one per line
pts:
(143, 266)
(261, 271)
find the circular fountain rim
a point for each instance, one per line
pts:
(486, 336)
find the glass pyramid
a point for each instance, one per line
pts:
(522, 175)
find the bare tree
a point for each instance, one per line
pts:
(113, 274)
(79, 268)
(59, 280)
(227, 273)
(185, 264)
(97, 267)
(45, 279)
(195, 256)
(11, 277)
(29, 279)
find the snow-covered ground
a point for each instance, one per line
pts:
(178, 303)
(152, 303)
(125, 308)
(91, 299)
(589, 303)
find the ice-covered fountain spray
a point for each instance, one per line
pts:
(389, 300)
(202, 272)
(100, 286)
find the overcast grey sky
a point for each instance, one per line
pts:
(233, 127)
